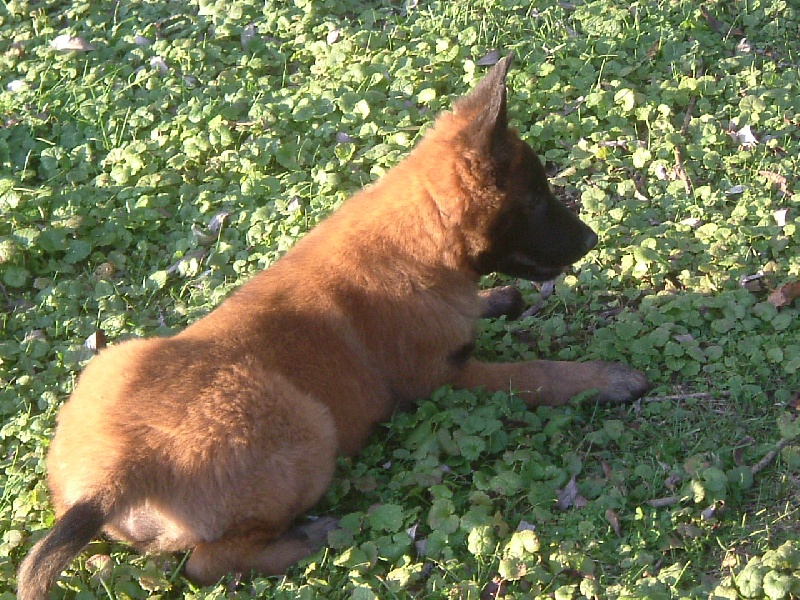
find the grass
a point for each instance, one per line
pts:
(144, 178)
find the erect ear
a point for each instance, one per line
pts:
(486, 107)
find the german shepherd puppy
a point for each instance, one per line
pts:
(217, 438)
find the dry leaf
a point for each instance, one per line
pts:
(653, 50)
(494, 589)
(785, 295)
(344, 138)
(525, 526)
(692, 222)
(752, 282)
(332, 37)
(158, 63)
(65, 43)
(662, 502)
(744, 47)
(569, 496)
(794, 402)
(216, 222)
(613, 520)
(488, 59)
(711, 511)
(18, 85)
(688, 530)
(735, 190)
(96, 341)
(746, 137)
(101, 566)
(776, 179)
(34, 335)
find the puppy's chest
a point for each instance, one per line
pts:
(423, 355)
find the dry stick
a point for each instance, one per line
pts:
(769, 456)
(685, 396)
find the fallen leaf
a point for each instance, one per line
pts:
(158, 63)
(735, 190)
(692, 222)
(688, 530)
(343, 138)
(569, 496)
(525, 526)
(16, 86)
(653, 50)
(33, 335)
(794, 402)
(613, 520)
(96, 341)
(104, 271)
(711, 511)
(744, 47)
(673, 480)
(746, 137)
(101, 566)
(493, 589)
(420, 546)
(202, 237)
(776, 179)
(216, 222)
(199, 254)
(66, 43)
(248, 33)
(752, 283)
(488, 59)
(785, 295)
(332, 37)
(662, 502)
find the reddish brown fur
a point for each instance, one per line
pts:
(218, 437)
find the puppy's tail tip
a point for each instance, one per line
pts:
(76, 528)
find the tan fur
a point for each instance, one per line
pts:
(219, 437)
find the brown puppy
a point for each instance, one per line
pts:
(217, 438)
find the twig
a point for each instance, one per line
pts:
(662, 502)
(769, 456)
(694, 396)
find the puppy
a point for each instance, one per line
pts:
(217, 438)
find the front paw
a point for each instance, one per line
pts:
(622, 384)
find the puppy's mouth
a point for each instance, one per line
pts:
(518, 264)
(545, 274)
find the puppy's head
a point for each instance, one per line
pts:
(527, 231)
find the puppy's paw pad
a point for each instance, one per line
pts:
(623, 384)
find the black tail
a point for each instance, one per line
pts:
(76, 528)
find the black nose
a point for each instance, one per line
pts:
(589, 240)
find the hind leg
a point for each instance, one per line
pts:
(259, 551)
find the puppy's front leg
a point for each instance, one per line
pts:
(554, 382)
